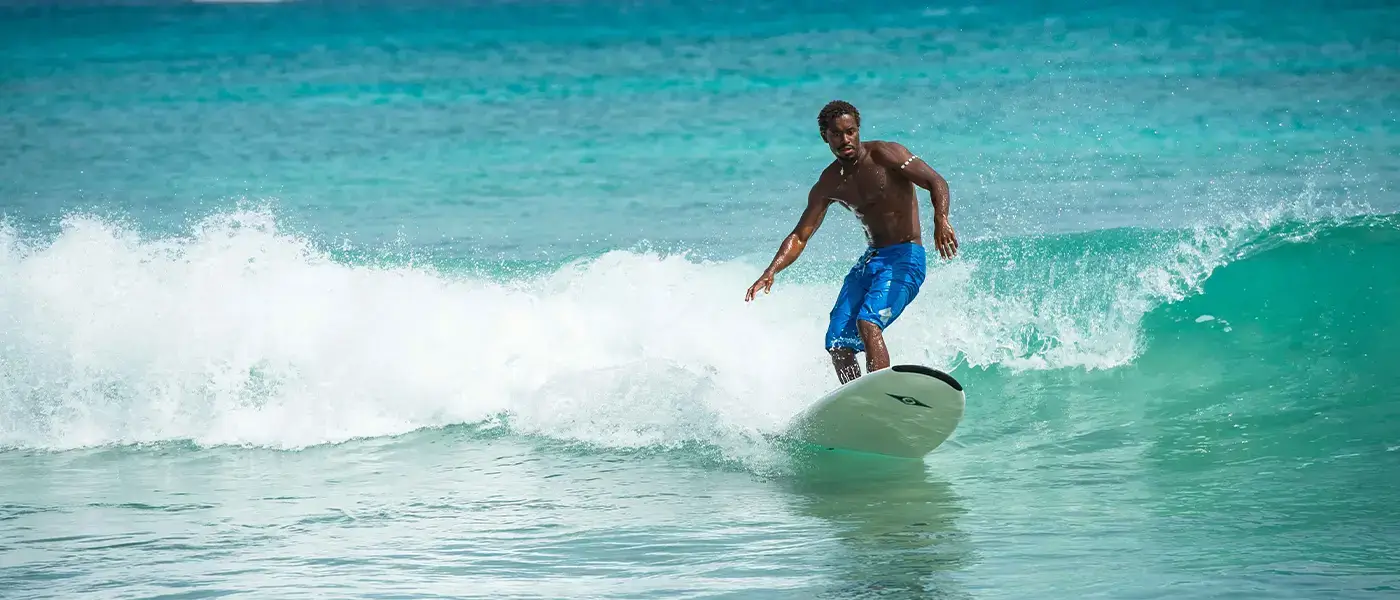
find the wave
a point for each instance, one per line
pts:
(242, 334)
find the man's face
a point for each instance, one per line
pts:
(843, 136)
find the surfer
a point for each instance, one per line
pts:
(874, 180)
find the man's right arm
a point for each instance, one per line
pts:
(796, 241)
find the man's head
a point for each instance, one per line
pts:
(840, 127)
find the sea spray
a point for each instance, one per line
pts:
(242, 333)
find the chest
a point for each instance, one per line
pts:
(864, 186)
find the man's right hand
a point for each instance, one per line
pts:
(765, 283)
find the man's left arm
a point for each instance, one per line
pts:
(895, 155)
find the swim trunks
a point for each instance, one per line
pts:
(877, 289)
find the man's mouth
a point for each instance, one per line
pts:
(848, 149)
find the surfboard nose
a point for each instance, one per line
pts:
(905, 410)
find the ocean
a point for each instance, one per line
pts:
(431, 299)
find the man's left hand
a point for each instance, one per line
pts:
(945, 239)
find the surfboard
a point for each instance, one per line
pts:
(902, 410)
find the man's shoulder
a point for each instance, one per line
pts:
(826, 180)
(886, 151)
(829, 172)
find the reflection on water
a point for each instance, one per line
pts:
(895, 520)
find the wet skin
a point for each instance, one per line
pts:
(876, 181)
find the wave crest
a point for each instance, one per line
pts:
(243, 334)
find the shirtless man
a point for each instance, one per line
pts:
(875, 180)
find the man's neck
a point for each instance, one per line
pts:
(855, 160)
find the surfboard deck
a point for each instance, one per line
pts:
(903, 410)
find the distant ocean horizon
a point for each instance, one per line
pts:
(445, 299)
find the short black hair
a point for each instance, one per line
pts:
(835, 109)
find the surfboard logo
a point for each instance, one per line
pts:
(907, 400)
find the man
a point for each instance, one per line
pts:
(874, 180)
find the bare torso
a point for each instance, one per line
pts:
(881, 197)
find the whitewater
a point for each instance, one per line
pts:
(424, 300)
(240, 333)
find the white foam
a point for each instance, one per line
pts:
(243, 334)
(240, 334)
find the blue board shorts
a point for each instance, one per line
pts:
(878, 288)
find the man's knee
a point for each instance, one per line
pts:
(869, 329)
(872, 336)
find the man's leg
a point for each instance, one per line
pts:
(876, 356)
(843, 338)
(896, 279)
(844, 359)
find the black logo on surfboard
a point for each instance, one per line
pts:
(908, 400)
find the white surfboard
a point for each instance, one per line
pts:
(903, 410)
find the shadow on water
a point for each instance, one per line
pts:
(896, 521)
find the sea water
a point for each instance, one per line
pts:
(445, 299)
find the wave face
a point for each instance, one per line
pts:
(241, 333)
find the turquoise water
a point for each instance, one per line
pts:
(446, 300)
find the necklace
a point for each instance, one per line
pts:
(853, 166)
